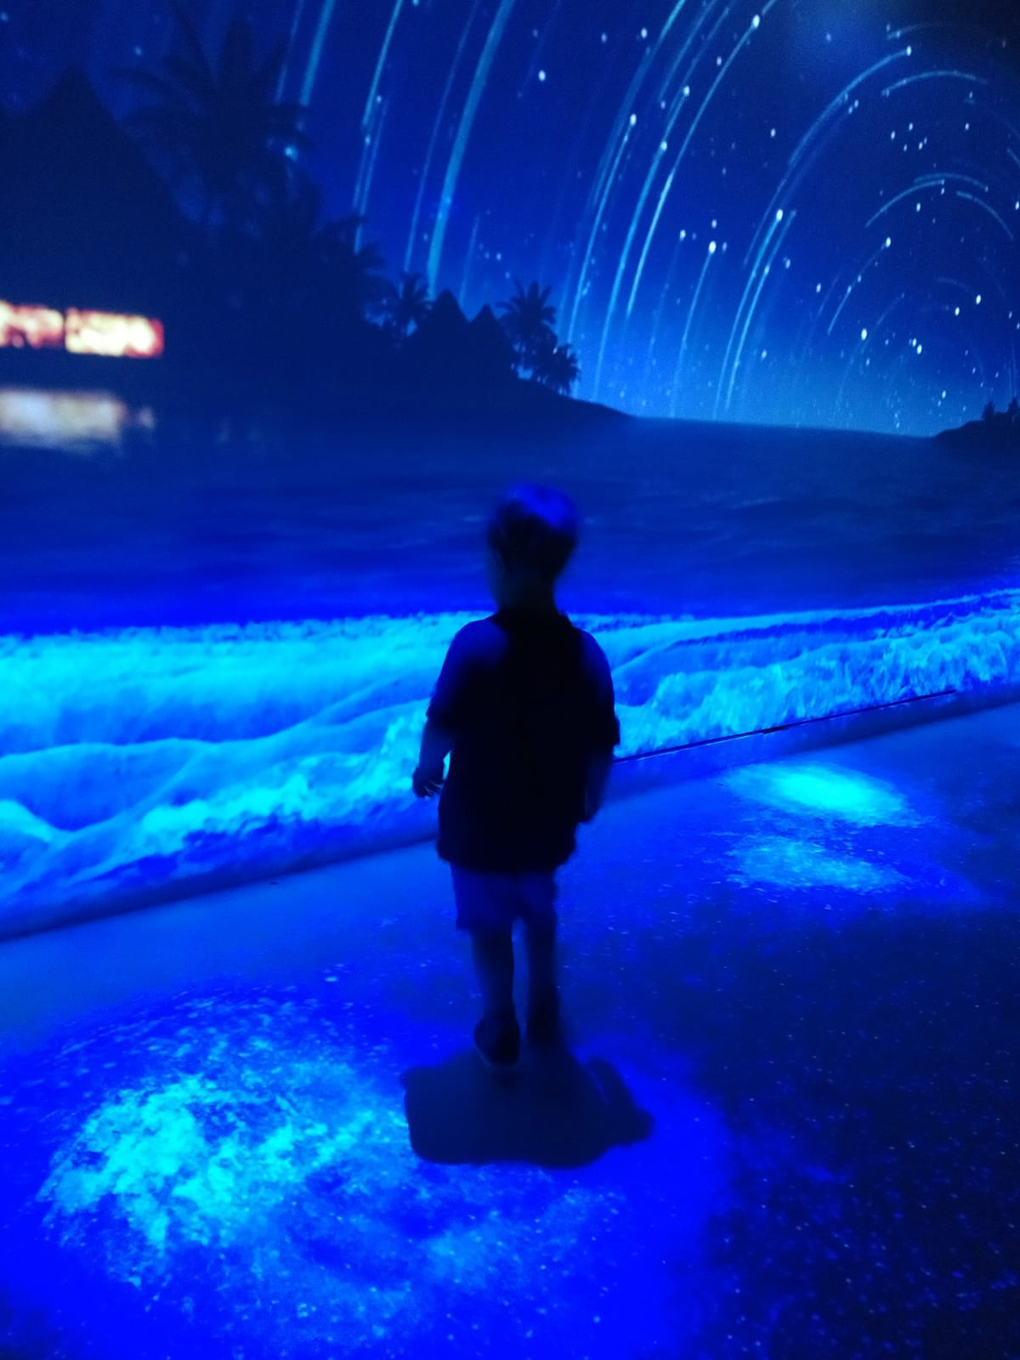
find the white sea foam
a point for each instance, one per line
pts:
(138, 760)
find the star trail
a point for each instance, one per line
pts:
(774, 211)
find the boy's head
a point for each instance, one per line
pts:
(532, 534)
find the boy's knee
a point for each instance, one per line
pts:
(541, 928)
(492, 941)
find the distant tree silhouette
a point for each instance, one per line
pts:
(301, 303)
(282, 233)
(290, 292)
(217, 125)
(278, 249)
(556, 366)
(528, 319)
(995, 429)
(405, 307)
(351, 272)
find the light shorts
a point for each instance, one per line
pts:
(491, 902)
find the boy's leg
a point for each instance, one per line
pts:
(485, 911)
(497, 1034)
(493, 954)
(543, 994)
(540, 942)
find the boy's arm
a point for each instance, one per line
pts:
(446, 713)
(599, 765)
(604, 731)
(436, 745)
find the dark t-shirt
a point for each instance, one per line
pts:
(529, 699)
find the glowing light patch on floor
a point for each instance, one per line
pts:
(245, 1163)
(802, 864)
(196, 1162)
(826, 790)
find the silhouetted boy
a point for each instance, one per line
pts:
(525, 705)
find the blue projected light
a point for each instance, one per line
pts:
(784, 232)
(795, 863)
(825, 826)
(830, 795)
(826, 791)
(259, 1135)
(138, 761)
(234, 1173)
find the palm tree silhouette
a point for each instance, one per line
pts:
(350, 271)
(314, 263)
(294, 290)
(284, 226)
(556, 366)
(406, 307)
(218, 124)
(528, 320)
(269, 253)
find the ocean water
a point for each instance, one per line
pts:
(216, 653)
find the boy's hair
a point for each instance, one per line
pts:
(534, 529)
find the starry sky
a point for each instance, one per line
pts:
(770, 211)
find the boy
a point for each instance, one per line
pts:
(525, 705)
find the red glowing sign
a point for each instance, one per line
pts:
(79, 332)
(31, 327)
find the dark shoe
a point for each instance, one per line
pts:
(498, 1041)
(544, 1029)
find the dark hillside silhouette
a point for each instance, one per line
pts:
(439, 345)
(997, 431)
(210, 223)
(449, 354)
(493, 353)
(91, 223)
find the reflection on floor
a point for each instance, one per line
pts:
(250, 1125)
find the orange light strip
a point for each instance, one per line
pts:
(109, 334)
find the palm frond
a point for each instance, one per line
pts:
(197, 80)
(192, 41)
(159, 116)
(267, 77)
(150, 81)
(237, 55)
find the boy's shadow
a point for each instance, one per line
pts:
(550, 1111)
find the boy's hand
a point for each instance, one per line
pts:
(425, 784)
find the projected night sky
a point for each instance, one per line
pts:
(760, 210)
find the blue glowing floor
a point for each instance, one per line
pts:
(248, 1125)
